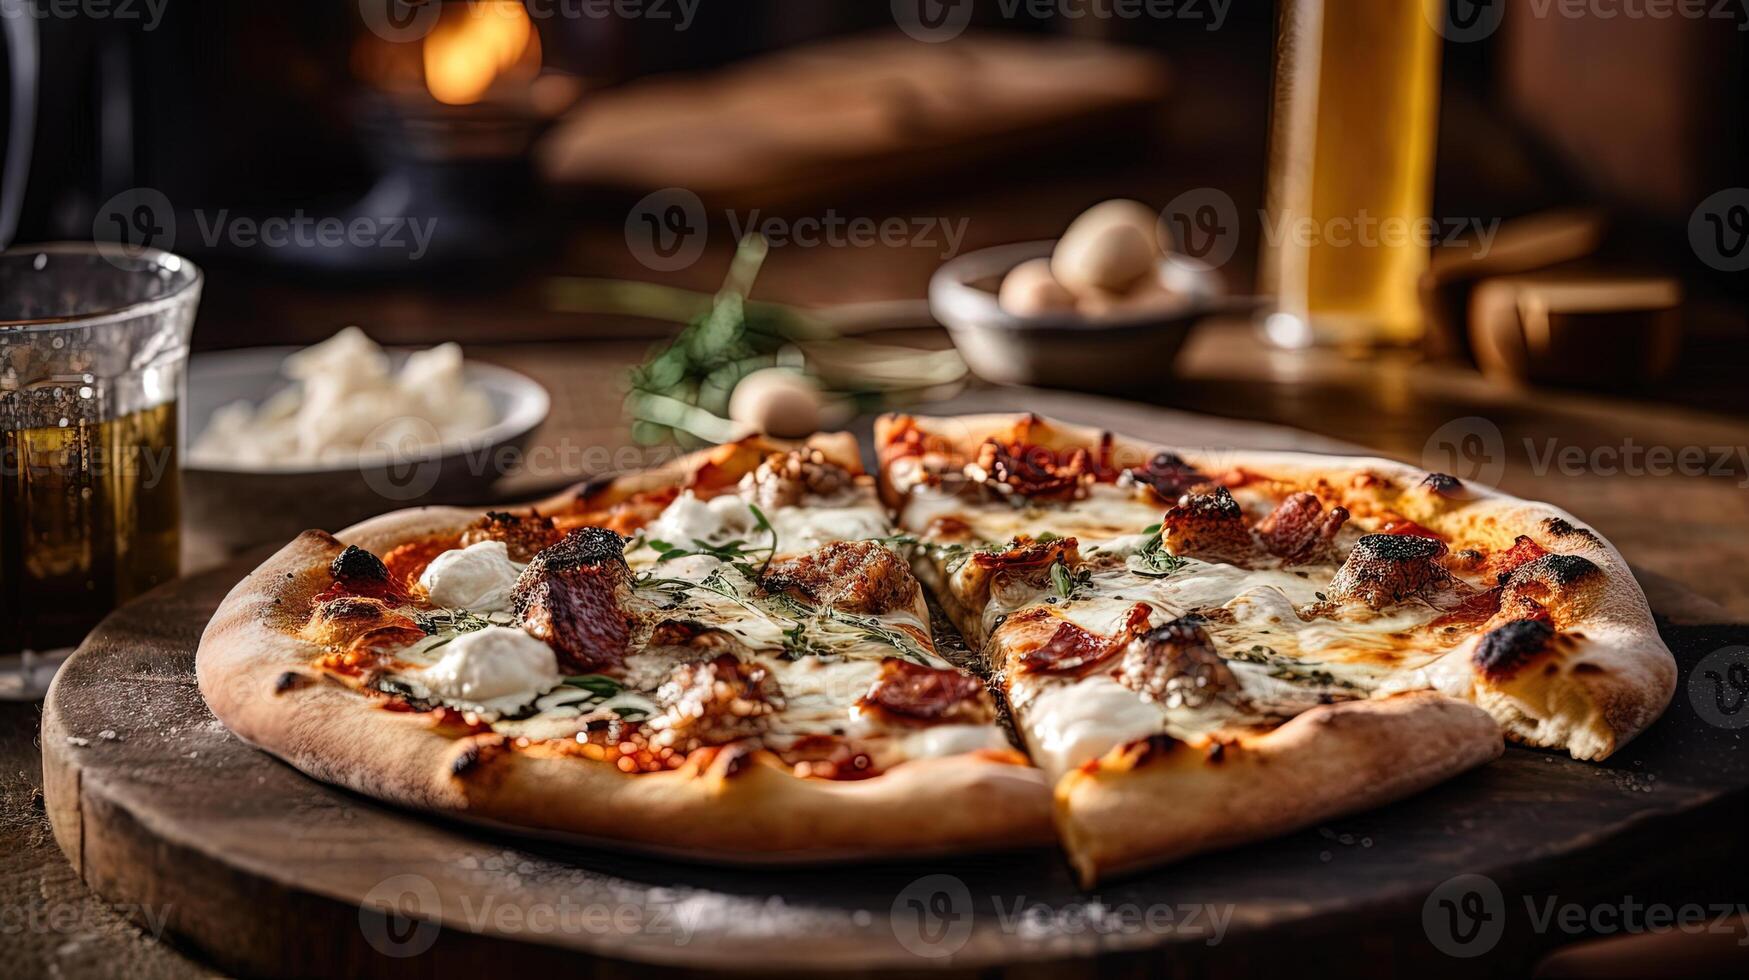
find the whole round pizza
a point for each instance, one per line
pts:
(1016, 631)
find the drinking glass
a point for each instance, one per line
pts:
(1351, 171)
(93, 343)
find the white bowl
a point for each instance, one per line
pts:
(229, 505)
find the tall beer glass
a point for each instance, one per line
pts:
(1351, 165)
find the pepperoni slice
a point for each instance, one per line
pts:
(1073, 649)
(932, 694)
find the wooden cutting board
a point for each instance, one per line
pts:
(266, 872)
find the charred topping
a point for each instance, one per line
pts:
(572, 596)
(695, 636)
(711, 702)
(1207, 525)
(856, 576)
(1504, 650)
(1169, 476)
(1176, 665)
(584, 547)
(1523, 552)
(356, 566)
(524, 535)
(1443, 484)
(1549, 586)
(1384, 569)
(1300, 531)
(1397, 547)
(1032, 471)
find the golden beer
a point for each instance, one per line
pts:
(89, 518)
(93, 344)
(1351, 166)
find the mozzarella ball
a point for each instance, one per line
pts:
(777, 402)
(1029, 289)
(1109, 247)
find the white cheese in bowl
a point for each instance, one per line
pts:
(346, 403)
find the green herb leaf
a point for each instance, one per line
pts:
(1060, 581)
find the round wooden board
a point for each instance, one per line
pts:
(267, 872)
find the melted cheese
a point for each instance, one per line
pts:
(497, 670)
(689, 522)
(1068, 724)
(478, 578)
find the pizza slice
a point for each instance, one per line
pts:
(1205, 649)
(724, 657)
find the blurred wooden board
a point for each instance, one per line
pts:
(848, 113)
(264, 871)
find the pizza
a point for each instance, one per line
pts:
(725, 657)
(1201, 649)
(1014, 631)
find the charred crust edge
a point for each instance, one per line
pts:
(474, 754)
(1557, 527)
(290, 681)
(1561, 570)
(1505, 650)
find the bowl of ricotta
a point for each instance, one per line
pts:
(280, 440)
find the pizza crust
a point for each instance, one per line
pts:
(1160, 800)
(724, 806)
(1612, 676)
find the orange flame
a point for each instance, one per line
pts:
(468, 51)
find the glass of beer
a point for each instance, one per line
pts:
(1354, 121)
(93, 344)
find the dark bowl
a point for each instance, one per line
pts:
(1117, 353)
